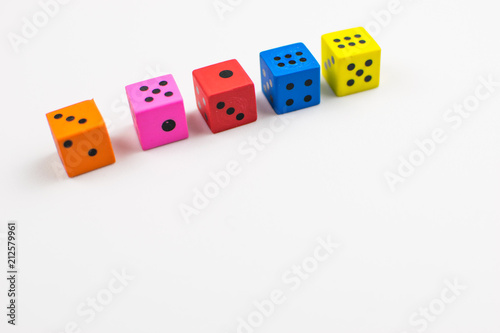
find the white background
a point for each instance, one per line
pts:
(322, 175)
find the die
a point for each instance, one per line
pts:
(81, 138)
(290, 78)
(158, 111)
(225, 95)
(351, 61)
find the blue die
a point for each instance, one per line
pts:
(290, 78)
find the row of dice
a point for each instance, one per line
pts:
(225, 96)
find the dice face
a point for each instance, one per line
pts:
(351, 61)
(158, 111)
(225, 96)
(81, 138)
(290, 78)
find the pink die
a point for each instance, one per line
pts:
(158, 111)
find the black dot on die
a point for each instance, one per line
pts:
(368, 78)
(368, 63)
(168, 125)
(92, 152)
(169, 93)
(277, 58)
(360, 72)
(303, 59)
(70, 118)
(163, 83)
(281, 64)
(362, 41)
(336, 40)
(230, 111)
(143, 88)
(289, 102)
(350, 83)
(221, 105)
(290, 86)
(156, 91)
(58, 116)
(341, 46)
(352, 44)
(288, 56)
(68, 143)
(357, 36)
(226, 74)
(292, 62)
(299, 53)
(347, 38)
(308, 82)
(240, 116)
(149, 99)
(308, 98)
(351, 67)
(82, 121)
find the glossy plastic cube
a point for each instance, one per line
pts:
(81, 138)
(290, 78)
(158, 111)
(351, 61)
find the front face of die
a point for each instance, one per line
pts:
(158, 111)
(351, 61)
(81, 138)
(232, 109)
(290, 78)
(225, 96)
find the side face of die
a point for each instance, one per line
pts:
(158, 111)
(81, 138)
(351, 61)
(290, 78)
(225, 96)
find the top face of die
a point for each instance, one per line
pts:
(153, 93)
(289, 59)
(80, 117)
(222, 77)
(350, 42)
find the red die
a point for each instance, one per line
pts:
(225, 95)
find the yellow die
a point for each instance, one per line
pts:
(351, 61)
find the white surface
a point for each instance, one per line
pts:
(322, 175)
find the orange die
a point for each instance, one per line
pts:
(81, 138)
